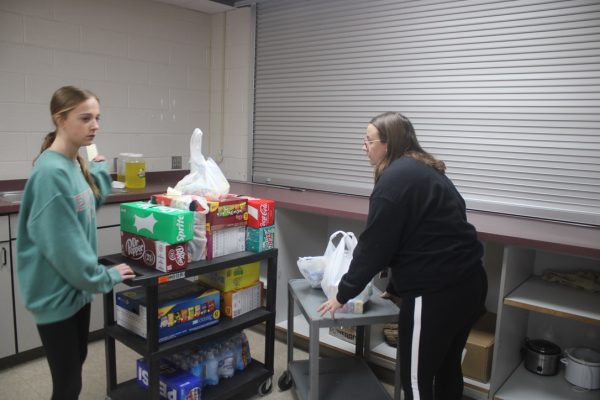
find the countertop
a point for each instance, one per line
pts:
(578, 240)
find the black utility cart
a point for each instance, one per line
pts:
(346, 377)
(257, 375)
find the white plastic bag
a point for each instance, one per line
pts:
(312, 269)
(338, 261)
(205, 177)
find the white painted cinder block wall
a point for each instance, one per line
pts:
(159, 71)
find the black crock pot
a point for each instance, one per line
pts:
(541, 356)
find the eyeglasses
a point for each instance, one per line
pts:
(367, 143)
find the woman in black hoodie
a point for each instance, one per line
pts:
(417, 226)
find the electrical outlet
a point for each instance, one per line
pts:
(176, 162)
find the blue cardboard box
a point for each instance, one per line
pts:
(174, 384)
(183, 307)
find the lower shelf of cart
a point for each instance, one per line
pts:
(226, 325)
(339, 378)
(250, 378)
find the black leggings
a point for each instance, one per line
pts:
(433, 331)
(66, 346)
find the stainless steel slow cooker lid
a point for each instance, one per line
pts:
(585, 355)
(543, 347)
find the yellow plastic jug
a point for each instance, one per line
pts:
(135, 171)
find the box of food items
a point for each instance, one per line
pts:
(240, 301)
(233, 278)
(183, 307)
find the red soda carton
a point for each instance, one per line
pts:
(261, 212)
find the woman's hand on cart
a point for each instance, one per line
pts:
(331, 305)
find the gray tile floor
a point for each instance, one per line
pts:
(31, 380)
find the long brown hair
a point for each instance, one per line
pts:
(63, 101)
(397, 131)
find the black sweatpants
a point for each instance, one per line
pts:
(66, 346)
(433, 330)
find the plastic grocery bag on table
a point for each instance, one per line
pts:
(312, 269)
(338, 258)
(205, 177)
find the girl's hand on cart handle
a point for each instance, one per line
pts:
(125, 271)
(331, 305)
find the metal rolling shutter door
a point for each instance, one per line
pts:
(507, 93)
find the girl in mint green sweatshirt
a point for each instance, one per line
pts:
(58, 270)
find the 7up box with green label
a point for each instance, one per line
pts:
(157, 222)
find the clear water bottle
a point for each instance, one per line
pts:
(212, 369)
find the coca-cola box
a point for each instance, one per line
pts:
(162, 256)
(261, 212)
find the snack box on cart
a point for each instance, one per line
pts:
(183, 307)
(240, 301)
(223, 241)
(228, 212)
(233, 278)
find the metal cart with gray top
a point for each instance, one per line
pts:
(347, 377)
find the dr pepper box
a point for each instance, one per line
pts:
(183, 307)
(174, 384)
(162, 256)
(157, 222)
(261, 212)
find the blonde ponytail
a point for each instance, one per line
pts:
(47, 142)
(85, 169)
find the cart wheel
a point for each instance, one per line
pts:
(285, 381)
(265, 387)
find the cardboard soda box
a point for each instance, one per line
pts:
(183, 307)
(162, 256)
(174, 384)
(162, 223)
(233, 278)
(261, 212)
(260, 239)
